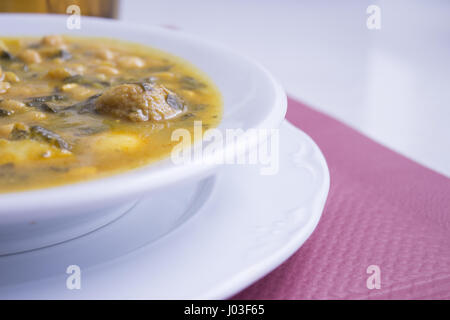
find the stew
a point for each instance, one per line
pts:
(73, 109)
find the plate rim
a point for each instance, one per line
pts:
(228, 284)
(249, 276)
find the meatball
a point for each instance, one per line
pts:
(140, 102)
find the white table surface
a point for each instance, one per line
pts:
(392, 84)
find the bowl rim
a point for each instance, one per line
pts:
(143, 179)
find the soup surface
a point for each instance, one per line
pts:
(74, 109)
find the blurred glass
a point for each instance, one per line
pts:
(99, 8)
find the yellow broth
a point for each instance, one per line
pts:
(44, 81)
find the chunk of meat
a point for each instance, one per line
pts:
(140, 102)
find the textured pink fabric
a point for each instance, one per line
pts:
(383, 209)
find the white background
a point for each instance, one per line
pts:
(391, 84)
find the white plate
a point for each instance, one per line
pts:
(252, 99)
(220, 236)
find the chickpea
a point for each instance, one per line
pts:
(3, 45)
(30, 56)
(99, 62)
(36, 115)
(189, 93)
(49, 51)
(78, 68)
(77, 91)
(21, 126)
(4, 86)
(101, 77)
(5, 130)
(13, 105)
(52, 40)
(11, 77)
(60, 73)
(108, 70)
(104, 54)
(68, 87)
(164, 75)
(58, 61)
(131, 62)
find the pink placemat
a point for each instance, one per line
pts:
(383, 210)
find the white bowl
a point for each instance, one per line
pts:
(252, 99)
